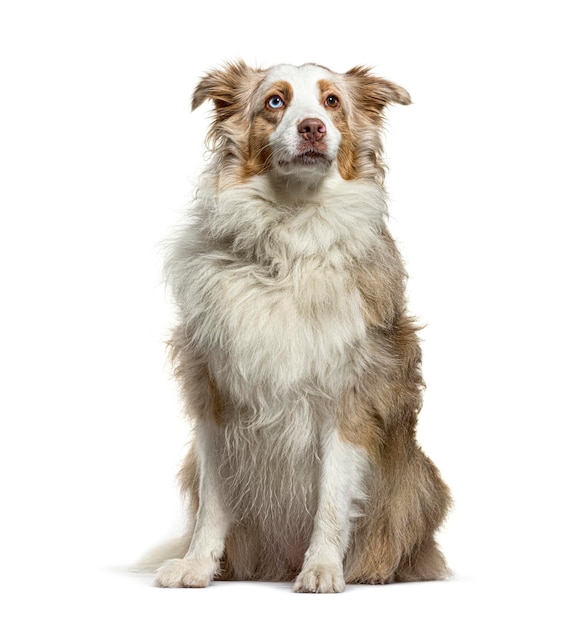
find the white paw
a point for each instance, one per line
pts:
(320, 578)
(185, 573)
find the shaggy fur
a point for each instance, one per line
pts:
(298, 362)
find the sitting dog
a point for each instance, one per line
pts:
(298, 362)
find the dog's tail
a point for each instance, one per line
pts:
(174, 548)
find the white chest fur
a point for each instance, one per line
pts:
(267, 290)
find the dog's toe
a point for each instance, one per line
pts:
(183, 573)
(320, 579)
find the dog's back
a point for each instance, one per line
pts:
(299, 364)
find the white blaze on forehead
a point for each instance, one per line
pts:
(304, 80)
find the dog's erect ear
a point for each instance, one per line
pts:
(227, 87)
(373, 93)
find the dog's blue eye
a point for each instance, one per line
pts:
(275, 102)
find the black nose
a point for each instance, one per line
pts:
(311, 129)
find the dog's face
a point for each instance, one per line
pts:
(302, 120)
(297, 123)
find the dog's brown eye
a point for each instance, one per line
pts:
(332, 101)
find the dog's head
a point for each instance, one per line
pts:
(297, 122)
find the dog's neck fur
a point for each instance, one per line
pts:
(295, 190)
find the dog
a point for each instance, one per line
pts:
(299, 365)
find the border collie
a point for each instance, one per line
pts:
(297, 359)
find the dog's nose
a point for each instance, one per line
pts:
(312, 129)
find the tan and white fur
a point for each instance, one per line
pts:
(298, 362)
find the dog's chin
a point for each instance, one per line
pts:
(311, 163)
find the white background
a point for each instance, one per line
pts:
(98, 154)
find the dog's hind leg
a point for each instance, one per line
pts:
(425, 563)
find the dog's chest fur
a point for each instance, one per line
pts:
(268, 291)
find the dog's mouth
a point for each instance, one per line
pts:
(308, 157)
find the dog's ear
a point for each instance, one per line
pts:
(228, 87)
(373, 93)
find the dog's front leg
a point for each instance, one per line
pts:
(340, 484)
(202, 561)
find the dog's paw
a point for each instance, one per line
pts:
(185, 573)
(320, 578)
